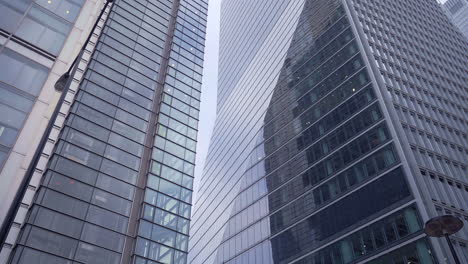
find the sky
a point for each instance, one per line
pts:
(209, 89)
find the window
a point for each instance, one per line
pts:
(115, 186)
(56, 222)
(15, 99)
(132, 120)
(119, 171)
(62, 203)
(22, 73)
(153, 251)
(90, 128)
(87, 253)
(163, 235)
(92, 115)
(67, 9)
(41, 28)
(165, 219)
(85, 141)
(102, 237)
(128, 132)
(122, 157)
(169, 188)
(28, 255)
(74, 170)
(126, 144)
(47, 241)
(105, 218)
(68, 186)
(111, 202)
(11, 13)
(80, 155)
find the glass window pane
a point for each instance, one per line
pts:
(7, 135)
(102, 237)
(122, 157)
(85, 141)
(169, 188)
(111, 202)
(16, 99)
(87, 253)
(50, 242)
(11, 13)
(115, 186)
(75, 170)
(102, 217)
(58, 222)
(119, 171)
(81, 156)
(11, 117)
(69, 186)
(29, 255)
(63, 203)
(163, 235)
(127, 144)
(67, 9)
(41, 28)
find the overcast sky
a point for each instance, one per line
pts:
(209, 87)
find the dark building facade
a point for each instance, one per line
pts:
(118, 186)
(314, 156)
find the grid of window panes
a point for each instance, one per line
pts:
(324, 163)
(21, 80)
(44, 24)
(422, 61)
(164, 227)
(82, 209)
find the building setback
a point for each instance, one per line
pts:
(457, 11)
(341, 128)
(117, 186)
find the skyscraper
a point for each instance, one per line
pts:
(341, 129)
(38, 40)
(118, 184)
(457, 11)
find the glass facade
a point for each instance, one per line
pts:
(307, 163)
(118, 186)
(40, 25)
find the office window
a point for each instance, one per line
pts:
(87, 253)
(118, 171)
(115, 186)
(50, 242)
(62, 203)
(27, 255)
(102, 237)
(11, 13)
(111, 202)
(105, 218)
(68, 186)
(22, 73)
(163, 235)
(57, 222)
(42, 29)
(74, 170)
(67, 9)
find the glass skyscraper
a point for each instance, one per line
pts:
(117, 187)
(341, 128)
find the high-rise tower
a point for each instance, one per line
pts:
(117, 186)
(341, 128)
